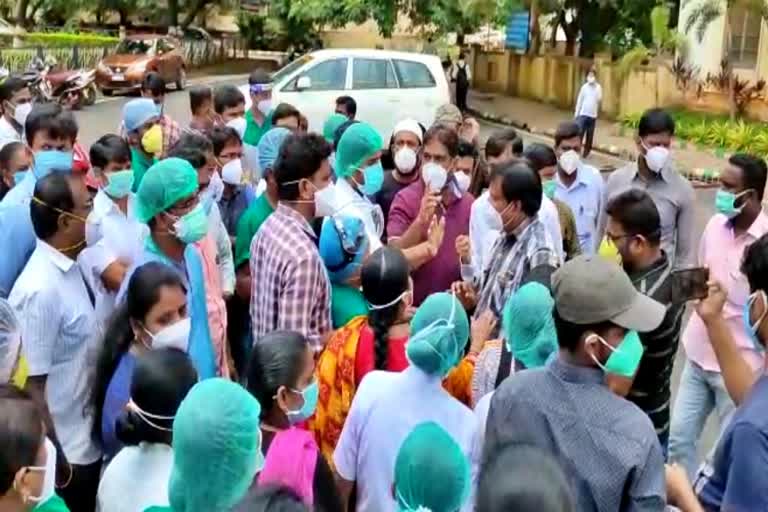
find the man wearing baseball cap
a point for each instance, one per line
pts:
(606, 444)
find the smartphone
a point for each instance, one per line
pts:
(689, 284)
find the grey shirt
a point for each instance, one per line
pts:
(606, 445)
(675, 199)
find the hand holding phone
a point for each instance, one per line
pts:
(690, 284)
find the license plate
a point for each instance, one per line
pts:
(119, 77)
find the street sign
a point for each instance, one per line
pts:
(518, 25)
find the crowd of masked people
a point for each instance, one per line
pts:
(242, 315)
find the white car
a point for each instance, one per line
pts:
(388, 86)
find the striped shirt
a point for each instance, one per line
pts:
(651, 388)
(290, 288)
(60, 333)
(513, 258)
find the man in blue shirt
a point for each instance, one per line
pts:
(736, 479)
(579, 185)
(51, 133)
(606, 445)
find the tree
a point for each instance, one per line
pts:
(703, 13)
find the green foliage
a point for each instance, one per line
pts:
(65, 40)
(714, 131)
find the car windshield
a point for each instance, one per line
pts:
(134, 46)
(288, 69)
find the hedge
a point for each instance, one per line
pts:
(63, 40)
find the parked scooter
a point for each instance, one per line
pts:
(72, 89)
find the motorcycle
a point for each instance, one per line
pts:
(72, 89)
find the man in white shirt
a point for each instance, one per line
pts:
(587, 109)
(16, 103)
(579, 185)
(502, 147)
(114, 236)
(60, 332)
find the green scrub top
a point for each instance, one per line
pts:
(254, 132)
(346, 304)
(140, 164)
(248, 225)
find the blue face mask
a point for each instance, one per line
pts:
(374, 179)
(749, 326)
(310, 396)
(119, 183)
(51, 160)
(19, 176)
(192, 226)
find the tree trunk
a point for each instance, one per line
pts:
(731, 90)
(571, 32)
(21, 12)
(173, 14)
(123, 17)
(535, 29)
(192, 14)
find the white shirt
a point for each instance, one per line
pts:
(588, 103)
(482, 409)
(111, 236)
(386, 408)
(8, 133)
(60, 333)
(136, 479)
(585, 198)
(352, 203)
(22, 192)
(482, 237)
(455, 70)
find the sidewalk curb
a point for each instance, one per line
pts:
(699, 178)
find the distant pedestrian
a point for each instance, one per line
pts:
(462, 75)
(587, 109)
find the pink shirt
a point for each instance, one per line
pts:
(217, 309)
(722, 253)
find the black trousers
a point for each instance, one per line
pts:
(461, 97)
(80, 494)
(587, 132)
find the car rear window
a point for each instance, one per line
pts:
(413, 74)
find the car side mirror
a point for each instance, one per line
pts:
(303, 83)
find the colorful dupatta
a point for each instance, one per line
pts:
(336, 378)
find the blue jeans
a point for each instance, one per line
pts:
(700, 393)
(587, 125)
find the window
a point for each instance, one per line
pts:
(745, 37)
(290, 68)
(373, 74)
(330, 75)
(413, 74)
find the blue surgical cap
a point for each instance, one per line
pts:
(137, 112)
(216, 447)
(45, 162)
(343, 244)
(269, 147)
(439, 334)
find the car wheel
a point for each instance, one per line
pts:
(181, 79)
(89, 95)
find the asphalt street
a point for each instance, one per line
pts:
(105, 116)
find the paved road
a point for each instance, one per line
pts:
(105, 116)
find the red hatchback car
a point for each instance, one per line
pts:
(136, 56)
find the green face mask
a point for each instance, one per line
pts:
(550, 187)
(625, 358)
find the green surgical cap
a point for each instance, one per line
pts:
(359, 143)
(216, 447)
(439, 334)
(529, 329)
(431, 471)
(331, 125)
(164, 184)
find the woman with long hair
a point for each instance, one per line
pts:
(365, 343)
(154, 315)
(137, 477)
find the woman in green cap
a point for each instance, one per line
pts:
(387, 406)
(429, 455)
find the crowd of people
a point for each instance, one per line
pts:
(241, 315)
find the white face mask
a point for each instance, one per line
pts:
(216, 187)
(462, 181)
(238, 124)
(405, 160)
(49, 477)
(174, 336)
(232, 172)
(656, 157)
(591, 79)
(264, 106)
(434, 176)
(21, 113)
(569, 161)
(325, 201)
